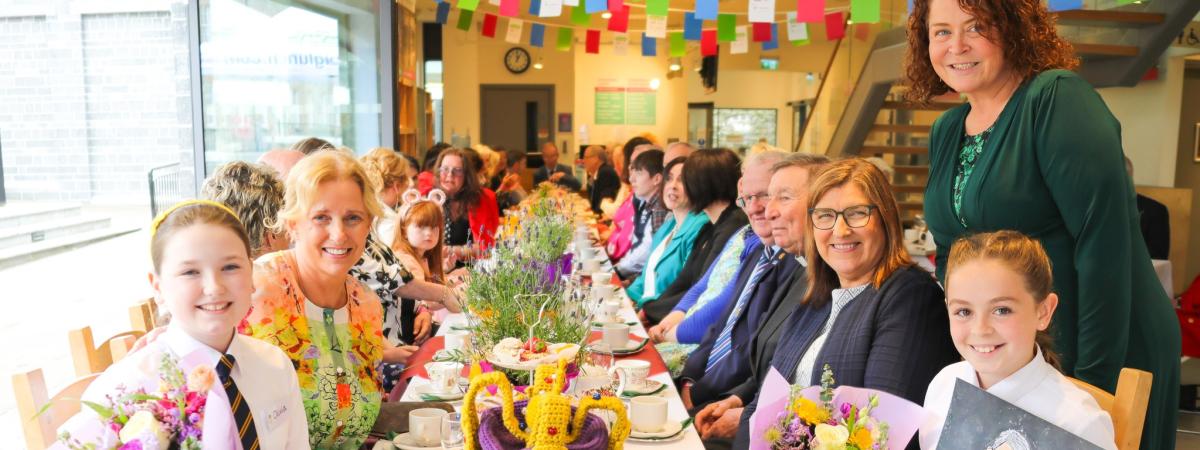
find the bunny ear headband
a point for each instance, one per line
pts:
(412, 197)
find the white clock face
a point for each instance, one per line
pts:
(516, 60)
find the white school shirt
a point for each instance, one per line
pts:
(1037, 388)
(264, 375)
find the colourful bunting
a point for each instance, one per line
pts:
(656, 7)
(550, 8)
(619, 22)
(595, 6)
(620, 44)
(1063, 5)
(649, 46)
(566, 37)
(761, 11)
(835, 26)
(796, 31)
(489, 25)
(537, 32)
(741, 43)
(691, 27)
(579, 16)
(510, 8)
(810, 11)
(468, 5)
(592, 44)
(656, 26)
(678, 44)
(464, 19)
(773, 42)
(616, 5)
(515, 28)
(706, 9)
(535, 8)
(762, 32)
(864, 11)
(443, 13)
(708, 42)
(726, 27)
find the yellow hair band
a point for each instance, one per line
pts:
(162, 216)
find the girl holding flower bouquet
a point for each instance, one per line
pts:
(998, 292)
(201, 384)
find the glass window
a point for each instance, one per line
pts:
(739, 129)
(277, 71)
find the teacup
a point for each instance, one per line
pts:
(603, 292)
(590, 265)
(425, 426)
(648, 413)
(456, 339)
(633, 371)
(443, 376)
(602, 278)
(615, 335)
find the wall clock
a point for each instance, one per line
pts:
(516, 60)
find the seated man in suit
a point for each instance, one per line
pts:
(602, 180)
(787, 212)
(1155, 221)
(554, 172)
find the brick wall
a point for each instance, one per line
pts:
(92, 97)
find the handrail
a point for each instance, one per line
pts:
(820, 88)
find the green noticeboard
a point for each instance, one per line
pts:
(639, 106)
(610, 105)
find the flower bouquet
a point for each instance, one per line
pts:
(171, 418)
(825, 418)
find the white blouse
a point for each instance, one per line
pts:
(841, 298)
(1037, 388)
(650, 289)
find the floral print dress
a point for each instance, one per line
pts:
(336, 352)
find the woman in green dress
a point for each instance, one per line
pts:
(1036, 150)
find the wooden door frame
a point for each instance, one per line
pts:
(549, 88)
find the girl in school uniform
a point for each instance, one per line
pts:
(998, 294)
(202, 274)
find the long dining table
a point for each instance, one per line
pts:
(676, 411)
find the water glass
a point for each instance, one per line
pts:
(452, 433)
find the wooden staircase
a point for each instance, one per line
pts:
(1116, 47)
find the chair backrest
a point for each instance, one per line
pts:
(1127, 408)
(32, 395)
(144, 316)
(90, 358)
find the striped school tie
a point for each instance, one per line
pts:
(724, 342)
(241, 411)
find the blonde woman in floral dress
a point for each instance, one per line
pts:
(308, 304)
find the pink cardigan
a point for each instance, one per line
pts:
(622, 235)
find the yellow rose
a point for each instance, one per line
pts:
(201, 379)
(862, 439)
(809, 412)
(145, 428)
(831, 437)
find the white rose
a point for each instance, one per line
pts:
(148, 430)
(831, 437)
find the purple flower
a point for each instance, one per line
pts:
(845, 409)
(132, 445)
(193, 418)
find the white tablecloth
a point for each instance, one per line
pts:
(675, 409)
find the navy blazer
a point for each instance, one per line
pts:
(895, 339)
(710, 385)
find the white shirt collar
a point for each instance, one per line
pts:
(184, 344)
(1024, 380)
(803, 262)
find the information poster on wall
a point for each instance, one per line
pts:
(632, 102)
(640, 100)
(610, 103)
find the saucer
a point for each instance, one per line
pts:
(632, 346)
(404, 441)
(671, 431)
(426, 393)
(647, 387)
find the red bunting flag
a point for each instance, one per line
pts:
(489, 25)
(810, 11)
(593, 41)
(510, 8)
(835, 26)
(762, 31)
(619, 21)
(614, 5)
(708, 42)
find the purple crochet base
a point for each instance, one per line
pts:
(493, 435)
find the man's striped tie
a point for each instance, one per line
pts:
(241, 411)
(724, 343)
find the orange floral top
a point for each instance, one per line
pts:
(337, 353)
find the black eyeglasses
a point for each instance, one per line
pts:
(855, 216)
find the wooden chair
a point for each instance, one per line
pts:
(144, 316)
(90, 358)
(32, 395)
(1127, 408)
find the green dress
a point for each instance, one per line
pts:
(1052, 168)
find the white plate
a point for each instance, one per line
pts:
(672, 431)
(404, 442)
(632, 346)
(648, 387)
(427, 389)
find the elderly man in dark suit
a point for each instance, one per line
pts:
(554, 172)
(786, 212)
(602, 180)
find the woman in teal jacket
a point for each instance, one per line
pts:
(672, 242)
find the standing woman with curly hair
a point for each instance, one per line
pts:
(1036, 138)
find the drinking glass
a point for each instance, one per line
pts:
(452, 433)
